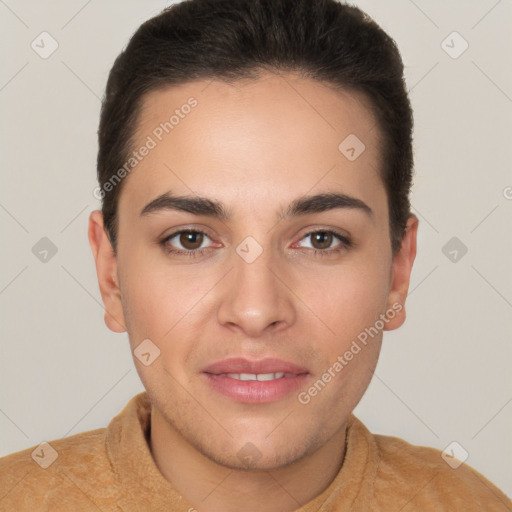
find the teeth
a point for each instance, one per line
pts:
(270, 376)
(255, 376)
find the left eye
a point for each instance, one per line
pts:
(322, 240)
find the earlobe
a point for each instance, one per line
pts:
(106, 271)
(401, 274)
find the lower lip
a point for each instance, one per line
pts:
(254, 391)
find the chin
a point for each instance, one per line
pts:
(250, 458)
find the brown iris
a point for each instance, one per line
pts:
(191, 240)
(323, 238)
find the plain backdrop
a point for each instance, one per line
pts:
(444, 376)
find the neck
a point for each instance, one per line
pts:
(215, 488)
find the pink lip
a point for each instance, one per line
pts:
(253, 391)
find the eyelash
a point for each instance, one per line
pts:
(345, 243)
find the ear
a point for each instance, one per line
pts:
(400, 274)
(106, 270)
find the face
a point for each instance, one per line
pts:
(252, 315)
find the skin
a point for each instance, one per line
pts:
(255, 146)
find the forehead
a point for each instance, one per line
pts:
(265, 136)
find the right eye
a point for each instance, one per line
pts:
(191, 241)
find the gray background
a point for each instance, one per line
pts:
(443, 377)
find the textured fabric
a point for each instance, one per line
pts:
(112, 470)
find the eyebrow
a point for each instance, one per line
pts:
(211, 208)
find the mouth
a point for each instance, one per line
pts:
(257, 376)
(246, 381)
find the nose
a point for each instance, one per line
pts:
(256, 297)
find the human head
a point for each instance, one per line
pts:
(331, 42)
(253, 143)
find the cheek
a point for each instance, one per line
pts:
(349, 304)
(156, 306)
(156, 294)
(151, 299)
(163, 303)
(347, 298)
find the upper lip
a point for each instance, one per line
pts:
(242, 365)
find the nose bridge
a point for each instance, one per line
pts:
(255, 297)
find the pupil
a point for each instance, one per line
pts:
(191, 240)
